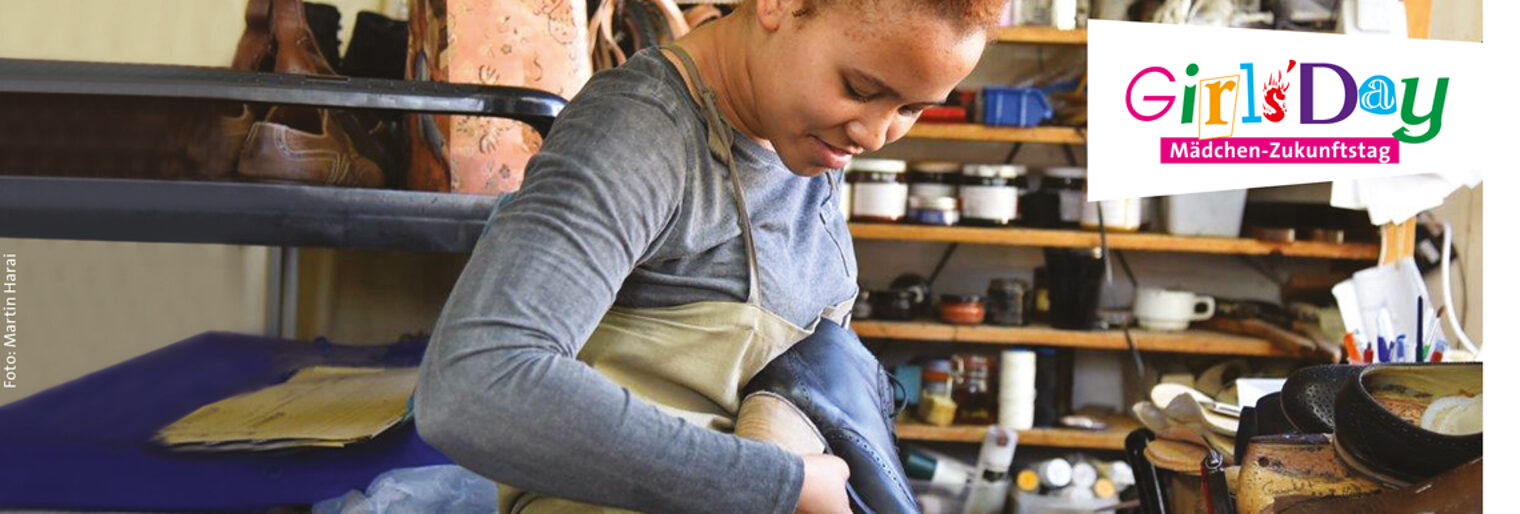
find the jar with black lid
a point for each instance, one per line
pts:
(879, 190)
(1006, 302)
(1069, 183)
(892, 305)
(933, 179)
(989, 194)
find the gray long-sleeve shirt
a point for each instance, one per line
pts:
(623, 205)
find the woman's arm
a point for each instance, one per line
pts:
(501, 392)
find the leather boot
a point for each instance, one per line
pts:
(377, 49)
(848, 396)
(255, 50)
(324, 21)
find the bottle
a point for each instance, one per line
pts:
(989, 488)
(975, 404)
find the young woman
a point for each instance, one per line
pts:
(679, 230)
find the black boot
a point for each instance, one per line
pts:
(325, 22)
(377, 48)
(845, 392)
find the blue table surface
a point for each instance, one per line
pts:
(87, 444)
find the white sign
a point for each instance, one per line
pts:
(1178, 109)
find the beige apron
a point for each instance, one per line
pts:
(690, 360)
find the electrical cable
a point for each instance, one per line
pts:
(1451, 320)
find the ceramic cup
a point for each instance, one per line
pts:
(1168, 309)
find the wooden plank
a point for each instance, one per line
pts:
(1398, 241)
(1082, 239)
(1051, 437)
(917, 331)
(1188, 341)
(973, 132)
(1040, 35)
(1417, 16)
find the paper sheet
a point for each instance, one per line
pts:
(1395, 199)
(320, 406)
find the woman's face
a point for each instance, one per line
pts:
(839, 81)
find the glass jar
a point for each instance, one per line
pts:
(962, 309)
(1069, 183)
(988, 194)
(1005, 302)
(917, 287)
(880, 192)
(933, 179)
(862, 308)
(845, 190)
(892, 305)
(943, 211)
(974, 401)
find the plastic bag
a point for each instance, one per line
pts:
(442, 489)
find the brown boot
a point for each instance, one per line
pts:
(255, 50)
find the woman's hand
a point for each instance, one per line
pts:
(823, 479)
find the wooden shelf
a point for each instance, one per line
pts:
(1120, 241)
(1051, 437)
(1188, 341)
(973, 132)
(1040, 35)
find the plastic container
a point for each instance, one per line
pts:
(1014, 106)
(941, 211)
(1122, 215)
(936, 499)
(1026, 503)
(1205, 214)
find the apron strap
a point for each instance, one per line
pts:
(720, 140)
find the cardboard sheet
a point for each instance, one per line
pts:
(319, 406)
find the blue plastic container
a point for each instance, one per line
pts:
(1014, 106)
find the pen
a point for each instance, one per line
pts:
(1399, 344)
(1352, 355)
(1419, 329)
(1382, 349)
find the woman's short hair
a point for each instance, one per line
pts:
(965, 14)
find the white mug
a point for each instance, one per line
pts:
(1168, 309)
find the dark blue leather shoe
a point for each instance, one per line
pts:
(846, 393)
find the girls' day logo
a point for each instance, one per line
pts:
(1261, 108)
(1220, 105)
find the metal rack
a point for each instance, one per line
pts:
(283, 217)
